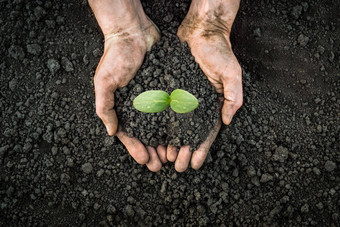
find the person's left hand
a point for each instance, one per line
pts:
(206, 29)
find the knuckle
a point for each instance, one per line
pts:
(238, 69)
(235, 73)
(230, 97)
(100, 79)
(234, 100)
(100, 111)
(239, 103)
(104, 79)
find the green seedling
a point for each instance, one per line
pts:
(155, 101)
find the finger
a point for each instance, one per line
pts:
(154, 164)
(136, 149)
(171, 153)
(161, 151)
(199, 156)
(229, 109)
(183, 159)
(105, 102)
(183, 31)
(233, 96)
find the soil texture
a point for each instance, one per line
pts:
(276, 164)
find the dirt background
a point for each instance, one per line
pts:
(276, 164)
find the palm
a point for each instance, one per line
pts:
(121, 59)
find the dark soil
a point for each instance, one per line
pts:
(277, 164)
(169, 66)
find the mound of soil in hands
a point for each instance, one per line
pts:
(169, 66)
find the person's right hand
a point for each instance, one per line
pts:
(128, 33)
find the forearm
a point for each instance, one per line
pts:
(113, 16)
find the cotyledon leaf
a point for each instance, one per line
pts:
(152, 101)
(182, 101)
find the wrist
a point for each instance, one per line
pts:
(117, 16)
(214, 16)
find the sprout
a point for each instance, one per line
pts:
(155, 101)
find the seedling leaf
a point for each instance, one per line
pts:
(153, 101)
(182, 101)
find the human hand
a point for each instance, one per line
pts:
(152, 157)
(184, 156)
(128, 34)
(206, 29)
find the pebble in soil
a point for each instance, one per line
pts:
(169, 66)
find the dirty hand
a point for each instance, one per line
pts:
(206, 29)
(128, 34)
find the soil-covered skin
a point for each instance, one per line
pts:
(277, 164)
(169, 66)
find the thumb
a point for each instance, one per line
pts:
(233, 97)
(105, 102)
(181, 33)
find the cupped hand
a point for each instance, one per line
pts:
(128, 34)
(206, 29)
(123, 56)
(207, 33)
